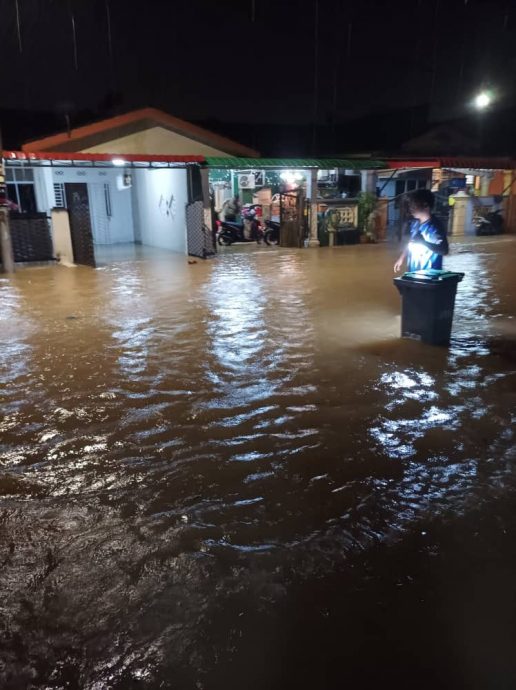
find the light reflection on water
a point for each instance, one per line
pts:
(194, 432)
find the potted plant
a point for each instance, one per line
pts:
(366, 220)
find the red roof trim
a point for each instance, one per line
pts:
(477, 163)
(107, 157)
(158, 116)
(397, 165)
(454, 162)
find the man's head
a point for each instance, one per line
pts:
(421, 203)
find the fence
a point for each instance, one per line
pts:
(31, 238)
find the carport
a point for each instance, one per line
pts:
(296, 190)
(105, 204)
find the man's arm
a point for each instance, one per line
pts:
(439, 246)
(399, 263)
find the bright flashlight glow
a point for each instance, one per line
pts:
(118, 161)
(418, 251)
(483, 100)
(291, 177)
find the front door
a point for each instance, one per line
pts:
(80, 223)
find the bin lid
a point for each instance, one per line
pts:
(432, 275)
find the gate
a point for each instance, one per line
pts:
(30, 237)
(199, 236)
(292, 219)
(80, 223)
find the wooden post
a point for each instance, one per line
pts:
(5, 242)
(6, 249)
(314, 239)
(206, 203)
(510, 216)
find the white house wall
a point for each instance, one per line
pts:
(156, 141)
(106, 229)
(160, 208)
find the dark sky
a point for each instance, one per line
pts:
(203, 59)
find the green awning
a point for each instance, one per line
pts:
(294, 163)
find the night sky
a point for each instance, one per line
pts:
(256, 61)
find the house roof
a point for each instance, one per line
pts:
(135, 121)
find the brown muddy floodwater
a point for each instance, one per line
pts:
(234, 474)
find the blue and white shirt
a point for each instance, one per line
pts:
(419, 257)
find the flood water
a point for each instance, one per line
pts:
(234, 474)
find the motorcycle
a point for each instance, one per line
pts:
(249, 230)
(490, 224)
(272, 232)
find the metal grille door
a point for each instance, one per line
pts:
(80, 223)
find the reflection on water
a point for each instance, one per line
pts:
(210, 469)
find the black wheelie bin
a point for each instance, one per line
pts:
(428, 301)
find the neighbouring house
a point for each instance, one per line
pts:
(134, 178)
(443, 138)
(466, 189)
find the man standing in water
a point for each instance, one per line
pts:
(428, 242)
(232, 209)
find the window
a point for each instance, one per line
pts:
(20, 189)
(27, 198)
(59, 195)
(12, 194)
(411, 185)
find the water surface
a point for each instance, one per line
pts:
(234, 474)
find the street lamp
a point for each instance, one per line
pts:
(482, 100)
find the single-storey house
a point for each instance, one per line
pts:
(134, 178)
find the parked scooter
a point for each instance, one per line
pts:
(490, 224)
(272, 232)
(249, 230)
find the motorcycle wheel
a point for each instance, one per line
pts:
(224, 240)
(271, 238)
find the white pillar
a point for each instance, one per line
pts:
(485, 181)
(462, 222)
(61, 236)
(369, 181)
(313, 240)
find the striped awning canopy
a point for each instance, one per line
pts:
(294, 163)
